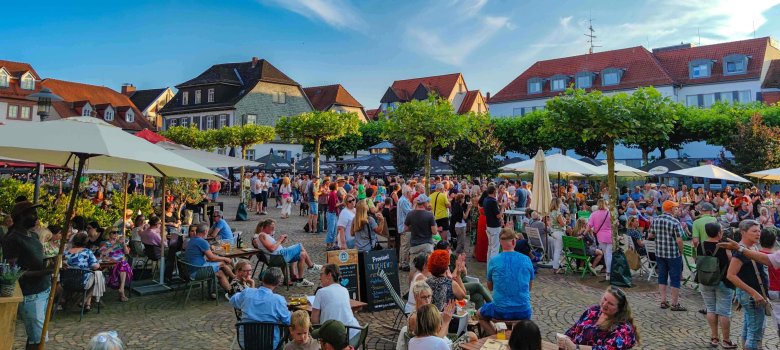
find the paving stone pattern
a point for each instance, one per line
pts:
(159, 322)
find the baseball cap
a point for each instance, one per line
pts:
(422, 198)
(524, 183)
(332, 332)
(707, 207)
(669, 205)
(22, 207)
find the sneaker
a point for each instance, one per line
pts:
(598, 268)
(304, 283)
(315, 267)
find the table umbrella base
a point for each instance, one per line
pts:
(149, 289)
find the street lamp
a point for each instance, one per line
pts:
(44, 98)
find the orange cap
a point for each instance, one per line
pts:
(669, 205)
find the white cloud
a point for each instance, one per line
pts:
(336, 13)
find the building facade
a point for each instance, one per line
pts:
(451, 87)
(253, 92)
(149, 102)
(17, 81)
(334, 98)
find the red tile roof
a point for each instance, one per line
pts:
(372, 114)
(676, 61)
(771, 98)
(14, 89)
(323, 97)
(441, 84)
(74, 95)
(471, 97)
(640, 69)
(18, 68)
(772, 79)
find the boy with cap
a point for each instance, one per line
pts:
(332, 336)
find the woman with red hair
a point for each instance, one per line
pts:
(441, 280)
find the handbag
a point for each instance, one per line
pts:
(767, 309)
(634, 262)
(374, 243)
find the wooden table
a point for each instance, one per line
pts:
(107, 264)
(8, 307)
(354, 304)
(477, 345)
(238, 253)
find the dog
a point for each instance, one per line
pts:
(304, 209)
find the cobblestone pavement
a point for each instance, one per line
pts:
(158, 322)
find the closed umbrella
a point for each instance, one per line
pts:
(710, 171)
(541, 195)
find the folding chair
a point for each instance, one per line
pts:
(689, 255)
(358, 342)
(399, 303)
(192, 275)
(535, 241)
(574, 251)
(647, 264)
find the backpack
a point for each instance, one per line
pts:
(708, 271)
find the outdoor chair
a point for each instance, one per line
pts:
(358, 342)
(535, 241)
(137, 254)
(689, 256)
(574, 251)
(648, 264)
(153, 254)
(72, 282)
(399, 304)
(273, 260)
(203, 276)
(253, 335)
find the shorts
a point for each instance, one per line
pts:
(313, 208)
(490, 312)
(258, 196)
(669, 271)
(444, 223)
(717, 299)
(213, 264)
(32, 311)
(290, 254)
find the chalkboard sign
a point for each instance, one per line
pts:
(376, 294)
(347, 261)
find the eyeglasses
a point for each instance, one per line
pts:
(350, 200)
(246, 270)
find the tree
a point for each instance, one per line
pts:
(426, 124)
(521, 134)
(477, 157)
(316, 127)
(190, 137)
(405, 160)
(648, 104)
(243, 136)
(755, 146)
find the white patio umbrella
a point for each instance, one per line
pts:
(622, 170)
(541, 194)
(557, 164)
(206, 159)
(769, 174)
(78, 140)
(710, 171)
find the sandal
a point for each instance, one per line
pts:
(664, 305)
(678, 307)
(728, 344)
(714, 342)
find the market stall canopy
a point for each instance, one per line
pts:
(710, 171)
(207, 159)
(304, 165)
(557, 164)
(60, 142)
(664, 167)
(272, 163)
(439, 168)
(374, 166)
(622, 170)
(769, 174)
(541, 194)
(151, 136)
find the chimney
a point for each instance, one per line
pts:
(128, 89)
(254, 62)
(487, 97)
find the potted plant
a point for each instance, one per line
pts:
(9, 274)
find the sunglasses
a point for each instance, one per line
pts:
(350, 200)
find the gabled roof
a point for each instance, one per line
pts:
(249, 73)
(471, 97)
(640, 69)
(17, 69)
(404, 90)
(323, 97)
(143, 98)
(676, 61)
(772, 79)
(77, 95)
(383, 145)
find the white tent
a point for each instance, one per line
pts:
(710, 171)
(557, 164)
(622, 170)
(770, 174)
(206, 159)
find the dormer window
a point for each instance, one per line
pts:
(3, 78)
(559, 82)
(535, 85)
(129, 116)
(700, 68)
(108, 115)
(611, 76)
(584, 80)
(197, 96)
(210, 96)
(86, 111)
(185, 98)
(28, 82)
(735, 64)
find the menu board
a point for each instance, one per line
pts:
(376, 293)
(347, 261)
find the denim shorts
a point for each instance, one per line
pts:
(213, 264)
(292, 253)
(670, 271)
(32, 311)
(313, 208)
(717, 299)
(489, 311)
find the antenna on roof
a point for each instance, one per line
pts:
(698, 31)
(591, 36)
(754, 29)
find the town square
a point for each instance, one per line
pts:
(341, 175)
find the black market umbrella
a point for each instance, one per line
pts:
(439, 168)
(374, 165)
(273, 163)
(305, 166)
(664, 167)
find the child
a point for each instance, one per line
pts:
(767, 241)
(299, 332)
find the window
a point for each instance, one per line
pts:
(692, 100)
(280, 97)
(185, 122)
(174, 122)
(129, 116)
(611, 76)
(210, 96)
(209, 122)
(517, 111)
(250, 154)
(197, 96)
(735, 64)
(461, 88)
(700, 68)
(86, 111)
(708, 100)
(28, 83)
(727, 97)
(196, 123)
(13, 111)
(3, 79)
(390, 106)
(251, 119)
(25, 113)
(535, 85)
(559, 83)
(108, 115)
(222, 121)
(185, 98)
(744, 96)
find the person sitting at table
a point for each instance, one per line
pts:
(261, 304)
(525, 336)
(331, 302)
(172, 218)
(510, 276)
(115, 249)
(243, 280)
(476, 292)
(421, 274)
(199, 253)
(94, 236)
(426, 334)
(300, 324)
(609, 325)
(129, 223)
(332, 335)
(221, 230)
(446, 285)
(295, 254)
(79, 257)
(152, 238)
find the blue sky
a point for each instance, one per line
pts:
(364, 45)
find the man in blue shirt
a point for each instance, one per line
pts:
(509, 277)
(199, 253)
(522, 196)
(221, 230)
(262, 305)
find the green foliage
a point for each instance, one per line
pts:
(521, 134)
(244, 136)
(190, 137)
(647, 104)
(10, 189)
(135, 202)
(755, 146)
(477, 157)
(186, 190)
(406, 161)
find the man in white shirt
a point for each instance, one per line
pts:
(344, 225)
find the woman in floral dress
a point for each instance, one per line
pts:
(115, 249)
